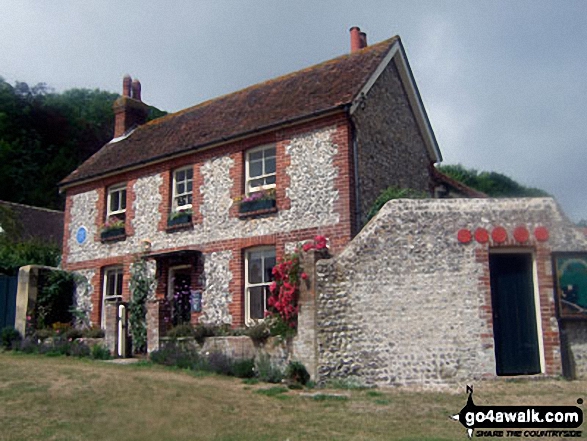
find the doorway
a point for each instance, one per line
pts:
(515, 325)
(179, 294)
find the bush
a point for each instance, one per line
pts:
(54, 299)
(10, 338)
(78, 349)
(100, 352)
(259, 332)
(297, 373)
(73, 334)
(176, 355)
(29, 345)
(93, 332)
(244, 368)
(185, 330)
(59, 346)
(268, 372)
(394, 193)
(43, 334)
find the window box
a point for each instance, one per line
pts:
(113, 234)
(179, 220)
(256, 205)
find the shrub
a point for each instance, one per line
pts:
(93, 332)
(43, 334)
(259, 332)
(29, 345)
(184, 330)
(54, 299)
(73, 334)
(176, 355)
(220, 363)
(10, 338)
(202, 331)
(244, 368)
(78, 349)
(100, 352)
(297, 373)
(268, 372)
(394, 193)
(59, 346)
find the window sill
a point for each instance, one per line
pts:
(258, 213)
(113, 236)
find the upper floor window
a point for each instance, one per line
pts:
(259, 263)
(112, 289)
(260, 169)
(116, 204)
(183, 181)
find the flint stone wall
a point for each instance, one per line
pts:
(401, 304)
(391, 150)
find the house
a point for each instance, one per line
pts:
(216, 193)
(25, 223)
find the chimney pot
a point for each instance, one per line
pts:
(129, 111)
(126, 85)
(363, 39)
(136, 89)
(355, 39)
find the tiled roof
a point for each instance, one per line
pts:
(35, 222)
(307, 92)
(465, 190)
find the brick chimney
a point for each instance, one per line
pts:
(129, 110)
(358, 39)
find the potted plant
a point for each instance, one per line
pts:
(113, 228)
(261, 200)
(180, 217)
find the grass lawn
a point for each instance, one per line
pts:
(45, 398)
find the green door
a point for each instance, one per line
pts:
(514, 314)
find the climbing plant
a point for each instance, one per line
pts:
(142, 284)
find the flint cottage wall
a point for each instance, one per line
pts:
(313, 197)
(408, 303)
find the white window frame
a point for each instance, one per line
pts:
(116, 272)
(248, 178)
(248, 320)
(118, 188)
(176, 195)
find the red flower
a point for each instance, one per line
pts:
(320, 242)
(272, 287)
(307, 246)
(271, 301)
(304, 276)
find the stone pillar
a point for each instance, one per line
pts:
(157, 311)
(305, 345)
(111, 326)
(26, 296)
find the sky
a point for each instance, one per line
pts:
(503, 82)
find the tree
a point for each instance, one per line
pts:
(45, 135)
(491, 183)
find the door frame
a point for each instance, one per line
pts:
(538, 314)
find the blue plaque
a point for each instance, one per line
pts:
(81, 235)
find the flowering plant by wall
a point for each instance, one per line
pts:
(113, 223)
(181, 213)
(258, 195)
(285, 289)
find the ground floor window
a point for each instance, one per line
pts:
(259, 263)
(112, 289)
